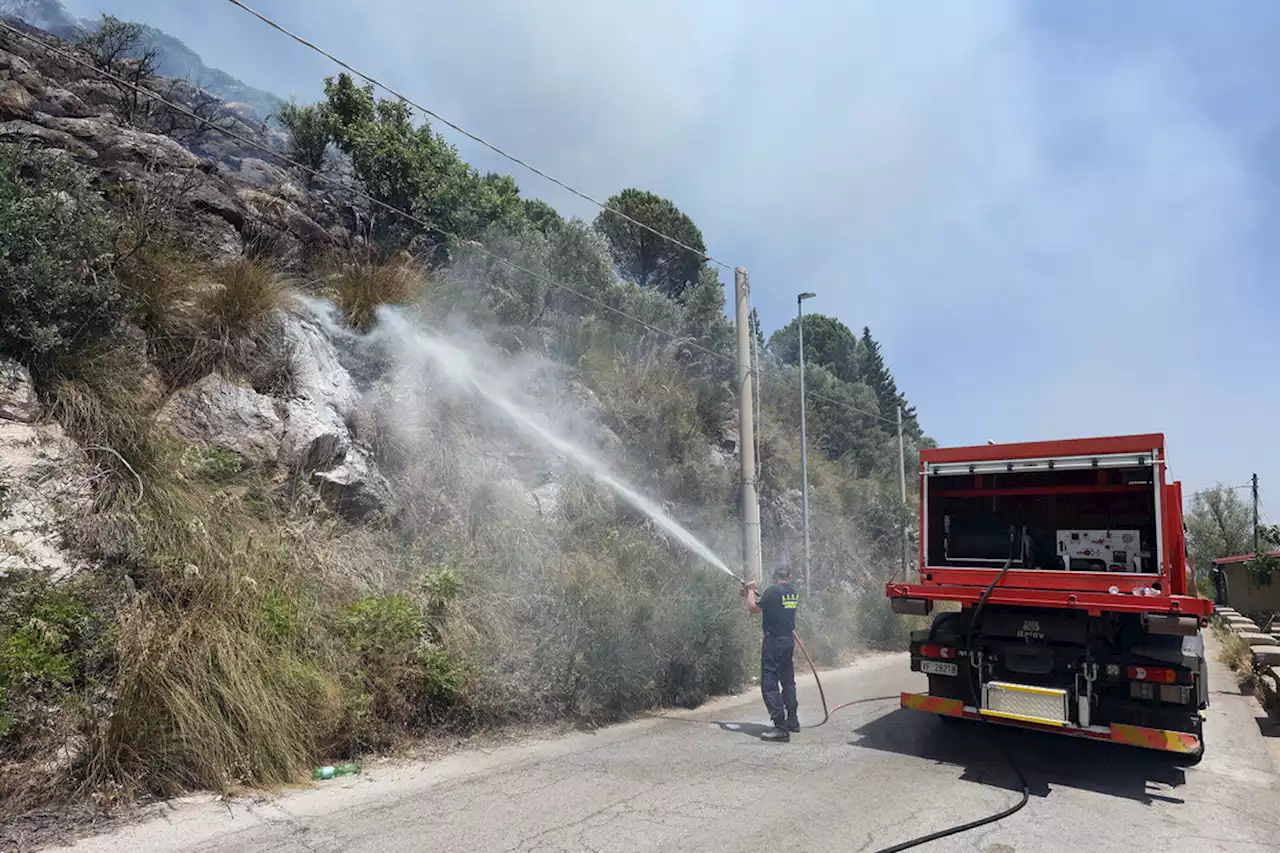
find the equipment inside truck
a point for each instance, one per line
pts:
(1087, 520)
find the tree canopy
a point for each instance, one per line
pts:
(1219, 524)
(404, 164)
(831, 345)
(827, 342)
(643, 257)
(873, 371)
(410, 167)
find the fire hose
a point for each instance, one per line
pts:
(973, 689)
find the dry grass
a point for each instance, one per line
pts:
(225, 671)
(163, 283)
(359, 289)
(199, 320)
(166, 287)
(106, 404)
(1238, 655)
(207, 700)
(245, 299)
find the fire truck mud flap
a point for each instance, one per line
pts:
(1182, 743)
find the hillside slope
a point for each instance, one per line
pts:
(275, 482)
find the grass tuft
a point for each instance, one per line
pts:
(207, 699)
(1238, 655)
(245, 299)
(360, 289)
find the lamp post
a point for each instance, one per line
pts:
(804, 440)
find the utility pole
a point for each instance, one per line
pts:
(751, 558)
(902, 454)
(804, 441)
(1256, 552)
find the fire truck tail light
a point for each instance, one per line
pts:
(1149, 673)
(940, 652)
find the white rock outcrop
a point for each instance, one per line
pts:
(44, 482)
(217, 412)
(318, 438)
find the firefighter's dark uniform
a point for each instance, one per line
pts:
(778, 605)
(1219, 577)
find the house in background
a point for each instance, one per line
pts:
(1242, 593)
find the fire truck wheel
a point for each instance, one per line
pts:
(1190, 759)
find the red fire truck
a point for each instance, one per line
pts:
(1078, 612)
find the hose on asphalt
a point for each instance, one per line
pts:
(827, 712)
(986, 725)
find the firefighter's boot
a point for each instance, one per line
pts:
(778, 734)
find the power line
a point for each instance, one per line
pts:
(244, 140)
(512, 265)
(475, 138)
(844, 405)
(1220, 489)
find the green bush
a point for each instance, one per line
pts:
(59, 292)
(52, 645)
(280, 615)
(384, 626)
(403, 163)
(309, 133)
(407, 678)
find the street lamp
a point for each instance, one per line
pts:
(804, 439)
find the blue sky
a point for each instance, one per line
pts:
(1056, 217)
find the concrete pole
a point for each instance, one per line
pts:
(902, 453)
(804, 445)
(751, 557)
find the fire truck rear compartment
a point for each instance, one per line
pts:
(1100, 520)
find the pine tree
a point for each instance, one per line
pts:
(875, 373)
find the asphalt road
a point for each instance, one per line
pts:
(702, 781)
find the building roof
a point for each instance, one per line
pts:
(1243, 558)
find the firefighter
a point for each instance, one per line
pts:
(777, 606)
(1219, 577)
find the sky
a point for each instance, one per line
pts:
(1055, 217)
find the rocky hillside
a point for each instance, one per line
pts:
(268, 491)
(173, 58)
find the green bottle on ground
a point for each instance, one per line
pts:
(331, 771)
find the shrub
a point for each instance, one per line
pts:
(405, 676)
(218, 465)
(123, 49)
(59, 293)
(52, 645)
(309, 133)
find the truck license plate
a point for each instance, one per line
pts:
(934, 667)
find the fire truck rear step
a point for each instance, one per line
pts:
(1025, 703)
